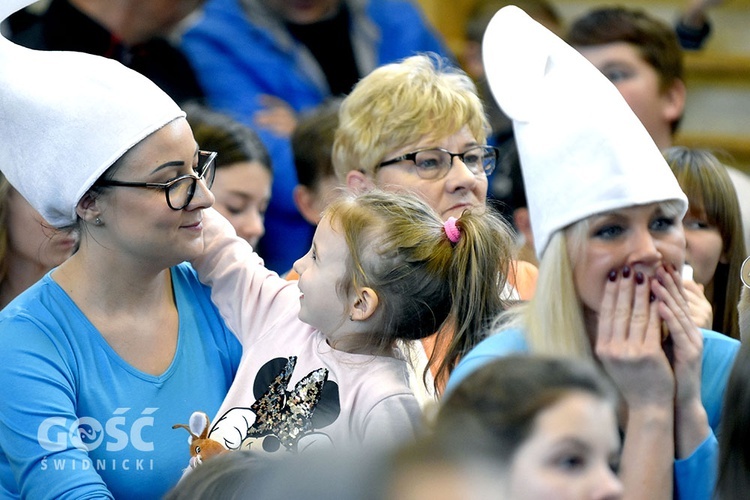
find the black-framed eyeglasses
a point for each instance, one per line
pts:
(435, 163)
(179, 191)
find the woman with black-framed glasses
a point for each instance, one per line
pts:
(120, 342)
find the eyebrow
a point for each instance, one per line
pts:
(573, 440)
(174, 163)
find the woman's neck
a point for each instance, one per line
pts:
(96, 283)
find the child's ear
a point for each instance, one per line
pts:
(365, 305)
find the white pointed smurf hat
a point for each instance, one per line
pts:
(65, 117)
(582, 149)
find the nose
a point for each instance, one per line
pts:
(299, 265)
(203, 197)
(459, 176)
(250, 225)
(607, 486)
(644, 249)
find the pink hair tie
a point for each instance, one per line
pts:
(451, 231)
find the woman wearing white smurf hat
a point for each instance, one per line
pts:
(606, 214)
(121, 341)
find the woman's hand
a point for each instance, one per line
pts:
(701, 310)
(628, 342)
(686, 342)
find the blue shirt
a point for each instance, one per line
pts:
(77, 421)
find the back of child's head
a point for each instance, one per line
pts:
(655, 40)
(400, 247)
(400, 103)
(312, 142)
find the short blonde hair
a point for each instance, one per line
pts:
(398, 104)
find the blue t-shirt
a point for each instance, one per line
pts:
(77, 421)
(695, 476)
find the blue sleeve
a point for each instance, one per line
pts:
(695, 476)
(39, 389)
(501, 344)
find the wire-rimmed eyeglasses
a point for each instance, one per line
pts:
(179, 191)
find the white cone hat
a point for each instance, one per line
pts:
(582, 149)
(65, 117)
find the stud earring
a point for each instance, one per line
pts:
(98, 221)
(351, 317)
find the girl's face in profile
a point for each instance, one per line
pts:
(642, 237)
(571, 454)
(320, 270)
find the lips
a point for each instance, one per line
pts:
(193, 225)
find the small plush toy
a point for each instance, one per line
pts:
(201, 446)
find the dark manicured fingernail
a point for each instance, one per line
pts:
(612, 275)
(639, 278)
(626, 272)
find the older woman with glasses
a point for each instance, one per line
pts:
(418, 125)
(120, 342)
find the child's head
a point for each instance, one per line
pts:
(521, 411)
(312, 141)
(390, 260)
(713, 230)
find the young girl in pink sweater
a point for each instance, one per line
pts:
(322, 364)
